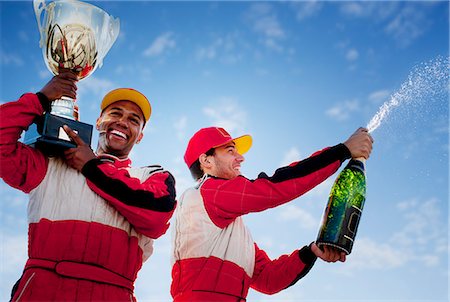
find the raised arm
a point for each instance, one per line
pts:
(227, 199)
(21, 166)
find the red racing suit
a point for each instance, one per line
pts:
(89, 231)
(214, 256)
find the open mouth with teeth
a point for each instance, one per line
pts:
(118, 134)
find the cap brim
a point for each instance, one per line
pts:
(243, 143)
(128, 94)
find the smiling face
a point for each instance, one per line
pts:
(224, 163)
(120, 126)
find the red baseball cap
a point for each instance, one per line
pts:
(213, 137)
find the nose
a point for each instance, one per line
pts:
(239, 157)
(123, 121)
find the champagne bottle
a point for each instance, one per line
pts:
(345, 204)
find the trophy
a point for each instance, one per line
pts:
(76, 36)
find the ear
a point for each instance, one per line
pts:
(205, 161)
(140, 138)
(97, 123)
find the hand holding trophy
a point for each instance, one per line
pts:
(75, 36)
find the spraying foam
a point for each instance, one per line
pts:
(425, 80)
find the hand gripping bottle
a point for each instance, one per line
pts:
(344, 209)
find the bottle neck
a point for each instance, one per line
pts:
(361, 159)
(357, 163)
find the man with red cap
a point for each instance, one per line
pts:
(92, 217)
(214, 255)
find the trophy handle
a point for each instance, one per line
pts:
(112, 33)
(39, 7)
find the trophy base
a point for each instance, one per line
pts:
(48, 134)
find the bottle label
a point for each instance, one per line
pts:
(344, 209)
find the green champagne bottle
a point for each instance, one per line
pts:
(345, 204)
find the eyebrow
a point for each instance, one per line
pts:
(230, 145)
(121, 109)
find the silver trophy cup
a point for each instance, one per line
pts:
(75, 36)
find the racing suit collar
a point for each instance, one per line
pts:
(119, 163)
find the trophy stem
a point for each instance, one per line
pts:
(64, 107)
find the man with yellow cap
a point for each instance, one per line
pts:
(214, 255)
(92, 217)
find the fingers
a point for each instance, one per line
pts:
(67, 84)
(63, 84)
(366, 133)
(70, 157)
(316, 250)
(329, 253)
(67, 74)
(77, 140)
(360, 143)
(343, 257)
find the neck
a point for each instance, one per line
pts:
(100, 151)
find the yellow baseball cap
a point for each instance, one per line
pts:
(128, 94)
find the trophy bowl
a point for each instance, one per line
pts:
(77, 36)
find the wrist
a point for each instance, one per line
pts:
(344, 152)
(45, 102)
(306, 255)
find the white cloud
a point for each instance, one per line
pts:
(266, 242)
(226, 49)
(422, 224)
(377, 11)
(352, 54)
(273, 44)
(354, 8)
(183, 179)
(322, 191)
(14, 248)
(45, 74)
(305, 219)
(407, 25)
(180, 126)
(269, 27)
(369, 254)
(24, 36)
(265, 22)
(406, 205)
(343, 111)
(95, 85)
(378, 97)
(136, 69)
(209, 52)
(162, 43)
(292, 155)
(10, 59)
(13, 252)
(306, 9)
(405, 22)
(227, 114)
(421, 239)
(91, 91)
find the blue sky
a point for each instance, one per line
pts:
(297, 76)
